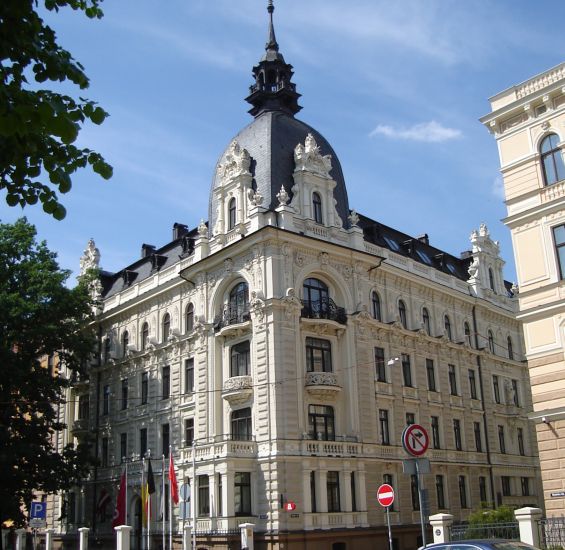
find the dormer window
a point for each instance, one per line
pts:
(552, 160)
(317, 207)
(232, 214)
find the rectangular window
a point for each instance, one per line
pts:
(431, 374)
(144, 387)
(83, 407)
(384, 427)
(321, 422)
(166, 383)
(406, 370)
(333, 492)
(318, 355)
(106, 400)
(559, 236)
(525, 481)
(123, 446)
(457, 434)
(389, 480)
(165, 439)
(472, 384)
(240, 359)
(435, 433)
(188, 431)
(501, 440)
(410, 419)
(483, 489)
(353, 492)
(414, 492)
(313, 491)
(242, 494)
(478, 438)
(496, 388)
(203, 496)
(241, 424)
(521, 448)
(142, 441)
(189, 375)
(505, 480)
(463, 492)
(440, 492)
(380, 370)
(124, 394)
(515, 393)
(452, 380)
(105, 452)
(220, 491)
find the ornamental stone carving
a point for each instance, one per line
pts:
(237, 162)
(255, 198)
(90, 258)
(283, 197)
(202, 229)
(237, 389)
(322, 385)
(307, 157)
(353, 218)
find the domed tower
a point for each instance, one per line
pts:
(276, 163)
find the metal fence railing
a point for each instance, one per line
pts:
(552, 533)
(487, 531)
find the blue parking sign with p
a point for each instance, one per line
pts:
(38, 510)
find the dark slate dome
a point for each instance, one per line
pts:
(272, 136)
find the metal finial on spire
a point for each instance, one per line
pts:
(272, 42)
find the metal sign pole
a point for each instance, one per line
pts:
(423, 527)
(389, 531)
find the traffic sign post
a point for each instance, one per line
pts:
(385, 496)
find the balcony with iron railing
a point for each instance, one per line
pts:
(232, 316)
(325, 309)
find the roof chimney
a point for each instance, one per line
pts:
(147, 250)
(179, 229)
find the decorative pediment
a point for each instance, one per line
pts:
(307, 157)
(236, 162)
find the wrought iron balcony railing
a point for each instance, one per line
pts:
(323, 309)
(231, 315)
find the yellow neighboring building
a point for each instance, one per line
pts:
(528, 122)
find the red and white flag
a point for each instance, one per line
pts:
(120, 510)
(173, 480)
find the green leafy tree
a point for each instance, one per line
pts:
(38, 126)
(39, 317)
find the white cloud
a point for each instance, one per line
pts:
(430, 132)
(498, 188)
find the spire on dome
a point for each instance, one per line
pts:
(273, 89)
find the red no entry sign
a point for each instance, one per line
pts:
(415, 440)
(385, 495)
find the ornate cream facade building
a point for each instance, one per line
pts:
(282, 347)
(528, 122)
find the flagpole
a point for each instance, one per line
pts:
(126, 491)
(143, 504)
(149, 498)
(170, 500)
(193, 503)
(163, 504)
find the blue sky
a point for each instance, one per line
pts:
(396, 87)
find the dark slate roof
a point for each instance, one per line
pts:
(270, 140)
(417, 248)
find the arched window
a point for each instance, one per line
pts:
(402, 313)
(166, 327)
(317, 207)
(467, 331)
(447, 324)
(491, 278)
(189, 318)
(321, 422)
(490, 342)
(426, 321)
(376, 306)
(552, 160)
(125, 343)
(510, 348)
(144, 336)
(238, 307)
(316, 298)
(232, 214)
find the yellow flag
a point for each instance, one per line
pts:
(144, 503)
